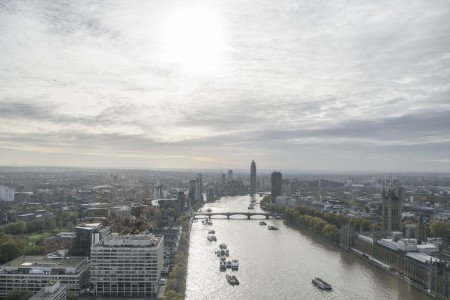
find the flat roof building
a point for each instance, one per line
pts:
(52, 291)
(35, 272)
(127, 266)
(62, 240)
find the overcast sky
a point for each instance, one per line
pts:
(304, 85)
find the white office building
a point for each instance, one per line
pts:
(52, 291)
(33, 273)
(127, 266)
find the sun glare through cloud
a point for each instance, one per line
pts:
(194, 39)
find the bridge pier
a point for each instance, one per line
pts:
(267, 217)
(228, 216)
(248, 216)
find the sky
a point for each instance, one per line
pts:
(294, 85)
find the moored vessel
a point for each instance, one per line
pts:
(232, 279)
(321, 284)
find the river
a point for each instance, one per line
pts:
(279, 264)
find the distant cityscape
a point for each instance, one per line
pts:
(72, 233)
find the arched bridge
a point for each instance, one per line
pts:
(229, 214)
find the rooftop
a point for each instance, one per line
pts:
(131, 240)
(29, 262)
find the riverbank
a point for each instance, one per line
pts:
(176, 282)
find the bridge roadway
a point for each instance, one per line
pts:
(229, 214)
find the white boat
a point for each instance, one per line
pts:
(227, 252)
(223, 265)
(235, 264)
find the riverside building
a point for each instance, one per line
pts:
(34, 272)
(127, 266)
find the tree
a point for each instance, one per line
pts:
(440, 229)
(331, 232)
(9, 251)
(18, 295)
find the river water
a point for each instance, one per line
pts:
(279, 264)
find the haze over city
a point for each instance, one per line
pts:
(305, 85)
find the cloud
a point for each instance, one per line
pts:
(297, 77)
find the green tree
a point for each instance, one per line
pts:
(440, 229)
(9, 251)
(18, 295)
(331, 232)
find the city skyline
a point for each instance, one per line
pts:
(295, 86)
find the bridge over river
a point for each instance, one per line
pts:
(229, 214)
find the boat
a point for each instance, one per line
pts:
(212, 238)
(209, 210)
(228, 264)
(252, 206)
(232, 279)
(223, 246)
(321, 284)
(222, 254)
(253, 200)
(271, 227)
(223, 265)
(227, 252)
(212, 231)
(262, 223)
(235, 264)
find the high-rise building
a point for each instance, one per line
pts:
(158, 191)
(392, 209)
(199, 187)
(127, 266)
(181, 197)
(276, 179)
(230, 175)
(224, 179)
(252, 178)
(88, 235)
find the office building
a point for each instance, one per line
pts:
(230, 175)
(171, 237)
(127, 266)
(252, 178)
(88, 235)
(33, 273)
(276, 179)
(52, 291)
